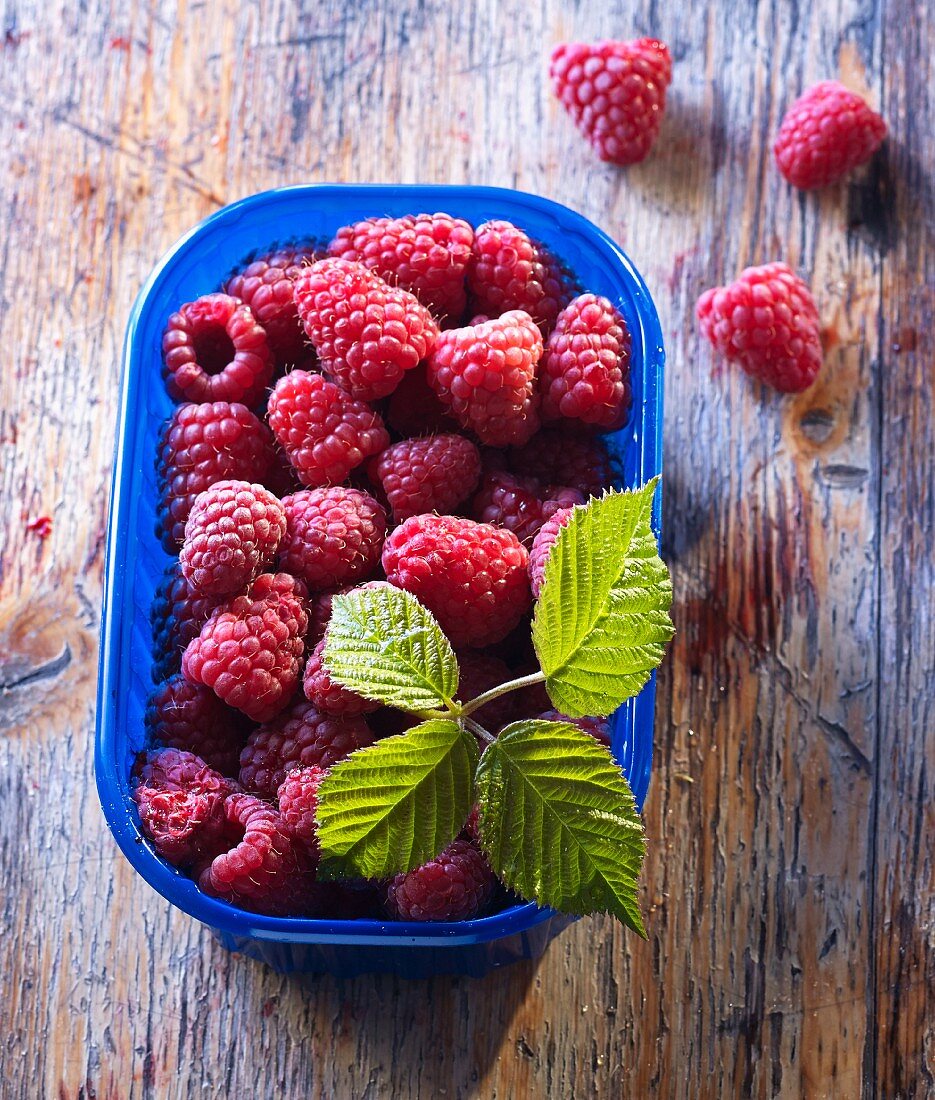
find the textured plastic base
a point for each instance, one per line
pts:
(135, 562)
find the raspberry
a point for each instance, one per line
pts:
(509, 271)
(485, 375)
(471, 576)
(432, 474)
(202, 444)
(328, 696)
(478, 673)
(455, 885)
(300, 737)
(325, 433)
(615, 92)
(214, 350)
(599, 728)
(191, 717)
(520, 503)
(267, 286)
(585, 371)
(178, 614)
(265, 870)
(426, 254)
(414, 407)
(231, 534)
(178, 770)
(367, 333)
(298, 801)
(319, 615)
(542, 547)
(768, 323)
(250, 650)
(333, 536)
(556, 457)
(827, 133)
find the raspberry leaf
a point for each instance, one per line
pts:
(383, 644)
(558, 821)
(396, 804)
(602, 621)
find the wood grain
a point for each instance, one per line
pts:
(789, 891)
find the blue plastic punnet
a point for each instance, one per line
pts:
(136, 562)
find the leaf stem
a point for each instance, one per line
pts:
(502, 689)
(478, 730)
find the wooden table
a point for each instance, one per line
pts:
(789, 887)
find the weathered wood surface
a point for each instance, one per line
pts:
(789, 889)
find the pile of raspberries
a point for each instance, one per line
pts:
(419, 403)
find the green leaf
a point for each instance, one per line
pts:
(558, 821)
(602, 621)
(394, 805)
(383, 644)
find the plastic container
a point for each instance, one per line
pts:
(135, 561)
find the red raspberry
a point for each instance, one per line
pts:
(827, 133)
(509, 271)
(367, 333)
(585, 371)
(542, 547)
(178, 770)
(414, 407)
(432, 474)
(557, 457)
(615, 92)
(178, 614)
(479, 672)
(298, 802)
(319, 615)
(191, 717)
(214, 350)
(455, 885)
(325, 433)
(333, 536)
(202, 444)
(599, 728)
(231, 535)
(486, 375)
(265, 870)
(520, 504)
(768, 323)
(250, 650)
(267, 286)
(426, 254)
(328, 696)
(300, 737)
(471, 576)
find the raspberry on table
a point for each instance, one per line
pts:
(559, 457)
(827, 133)
(328, 696)
(202, 444)
(324, 431)
(521, 504)
(191, 717)
(298, 802)
(250, 650)
(231, 534)
(509, 271)
(302, 736)
(178, 613)
(367, 334)
(599, 728)
(455, 885)
(267, 286)
(767, 322)
(615, 92)
(542, 546)
(486, 376)
(215, 350)
(471, 576)
(333, 536)
(426, 254)
(414, 408)
(479, 672)
(585, 370)
(433, 473)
